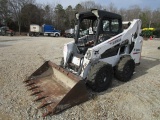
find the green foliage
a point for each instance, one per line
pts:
(147, 33)
(145, 20)
(29, 17)
(156, 33)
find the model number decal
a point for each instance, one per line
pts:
(115, 41)
(137, 50)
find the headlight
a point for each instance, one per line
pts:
(88, 54)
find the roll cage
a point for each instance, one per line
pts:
(107, 25)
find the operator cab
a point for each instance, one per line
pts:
(95, 27)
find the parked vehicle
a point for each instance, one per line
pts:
(36, 30)
(6, 31)
(69, 33)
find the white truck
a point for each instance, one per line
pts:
(36, 30)
(70, 33)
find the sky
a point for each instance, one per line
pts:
(152, 4)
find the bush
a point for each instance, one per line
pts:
(156, 33)
(147, 33)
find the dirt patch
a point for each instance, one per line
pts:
(4, 45)
(4, 116)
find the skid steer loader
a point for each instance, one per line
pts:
(101, 49)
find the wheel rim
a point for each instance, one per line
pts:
(102, 79)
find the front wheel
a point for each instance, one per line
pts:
(56, 35)
(100, 77)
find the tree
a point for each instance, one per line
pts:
(15, 6)
(70, 16)
(111, 8)
(88, 5)
(123, 13)
(145, 16)
(79, 8)
(4, 12)
(49, 14)
(155, 22)
(59, 17)
(133, 12)
(28, 17)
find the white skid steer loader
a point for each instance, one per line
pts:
(100, 50)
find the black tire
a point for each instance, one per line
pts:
(62, 62)
(9, 34)
(56, 35)
(100, 77)
(124, 69)
(36, 34)
(31, 34)
(3, 33)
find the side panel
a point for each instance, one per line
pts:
(67, 50)
(111, 60)
(136, 52)
(133, 35)
(35, 28)
(48, 28)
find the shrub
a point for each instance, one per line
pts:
(147, 33)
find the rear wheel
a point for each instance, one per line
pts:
(31, 34)
(124, 69)
(100, 77)
(36, 34)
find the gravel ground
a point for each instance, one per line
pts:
(138, 99)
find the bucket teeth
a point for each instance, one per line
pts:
(50, 110)
(29, 80)
(43, 105)
(47, 101)
(30, 84)
(40, 97)
(32, 87)
(36, 91)
(47, 113)
(26, 81)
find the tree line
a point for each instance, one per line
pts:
(19, 14)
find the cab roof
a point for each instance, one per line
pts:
(100, 13)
